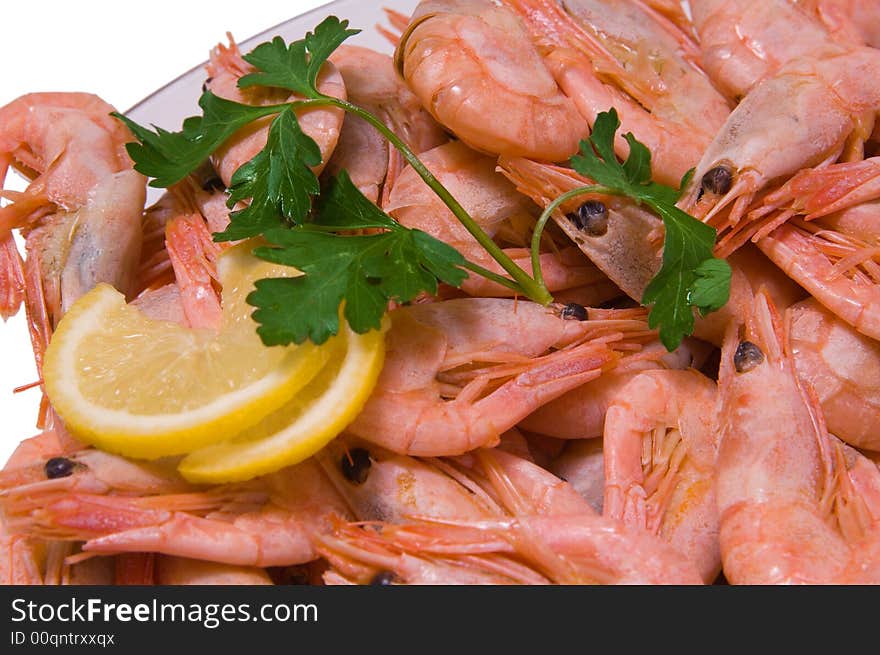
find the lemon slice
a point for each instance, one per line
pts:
(318, 413)
(148, 388)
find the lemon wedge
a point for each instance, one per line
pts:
(147, 388)
(318, 413)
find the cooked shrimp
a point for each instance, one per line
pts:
(843, 194)
(839, 271)
(25, 559)
(266, 522)
(553, 530)
(90, 471)
(580, 413)
(225, 67)
(380, 485)
(621, 243)
(568, 549)
(621, 54)
(371, 82)
(660, 446)
(843, 367)
(68, 142)
(495, 205)
(861, 222)
(813, 111)
(743, 42)
(782, 481)
(193, 255)
(420, 406)
(821, 191)
(359, 556)
(848, 21)
(468, 60)
(80, 214)
(483, 484)
(178, 229)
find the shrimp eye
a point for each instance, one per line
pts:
(717, 180)
(591, 217)
(383, 578)
(574, 312)
(747, 357)
(59, 467)
(213, 183)
(206, 83)
(355, 465)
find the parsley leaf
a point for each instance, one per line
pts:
(171, 156)
(364, 271)
(278, 179)
(690, 275)
(296, 66)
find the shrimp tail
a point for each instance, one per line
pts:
(193, 255)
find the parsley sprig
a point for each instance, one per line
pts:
(367, 271)
(690, 275)
(349, 251)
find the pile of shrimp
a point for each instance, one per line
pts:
(508, 442)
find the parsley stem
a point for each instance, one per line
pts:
(532, 289)
(545, 216)
(491, 275)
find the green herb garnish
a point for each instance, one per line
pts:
(324, 238)
(366, 271)
(690, 276)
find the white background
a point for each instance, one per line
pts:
(121, 52)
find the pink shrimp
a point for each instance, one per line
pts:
(543, 532)
(850, 21)
(580, 413)
(433, 396)
(81, 212)
(743, 42)
(395, 488)
(533, 549)
(821, 191)
(813, 111)
(620, 238)
(186, 216)
(467, 60)
(372, 83)
(118, 506)
(225, 67)
(25, 559)
(839, 271)
(786, 523)
(193, 256)
(843, 367)
(380, 485)
(497, 207)
(845, 194)
(622, 54)
(660, 445)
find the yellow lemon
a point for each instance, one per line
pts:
(148, 388)
(318, 412)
